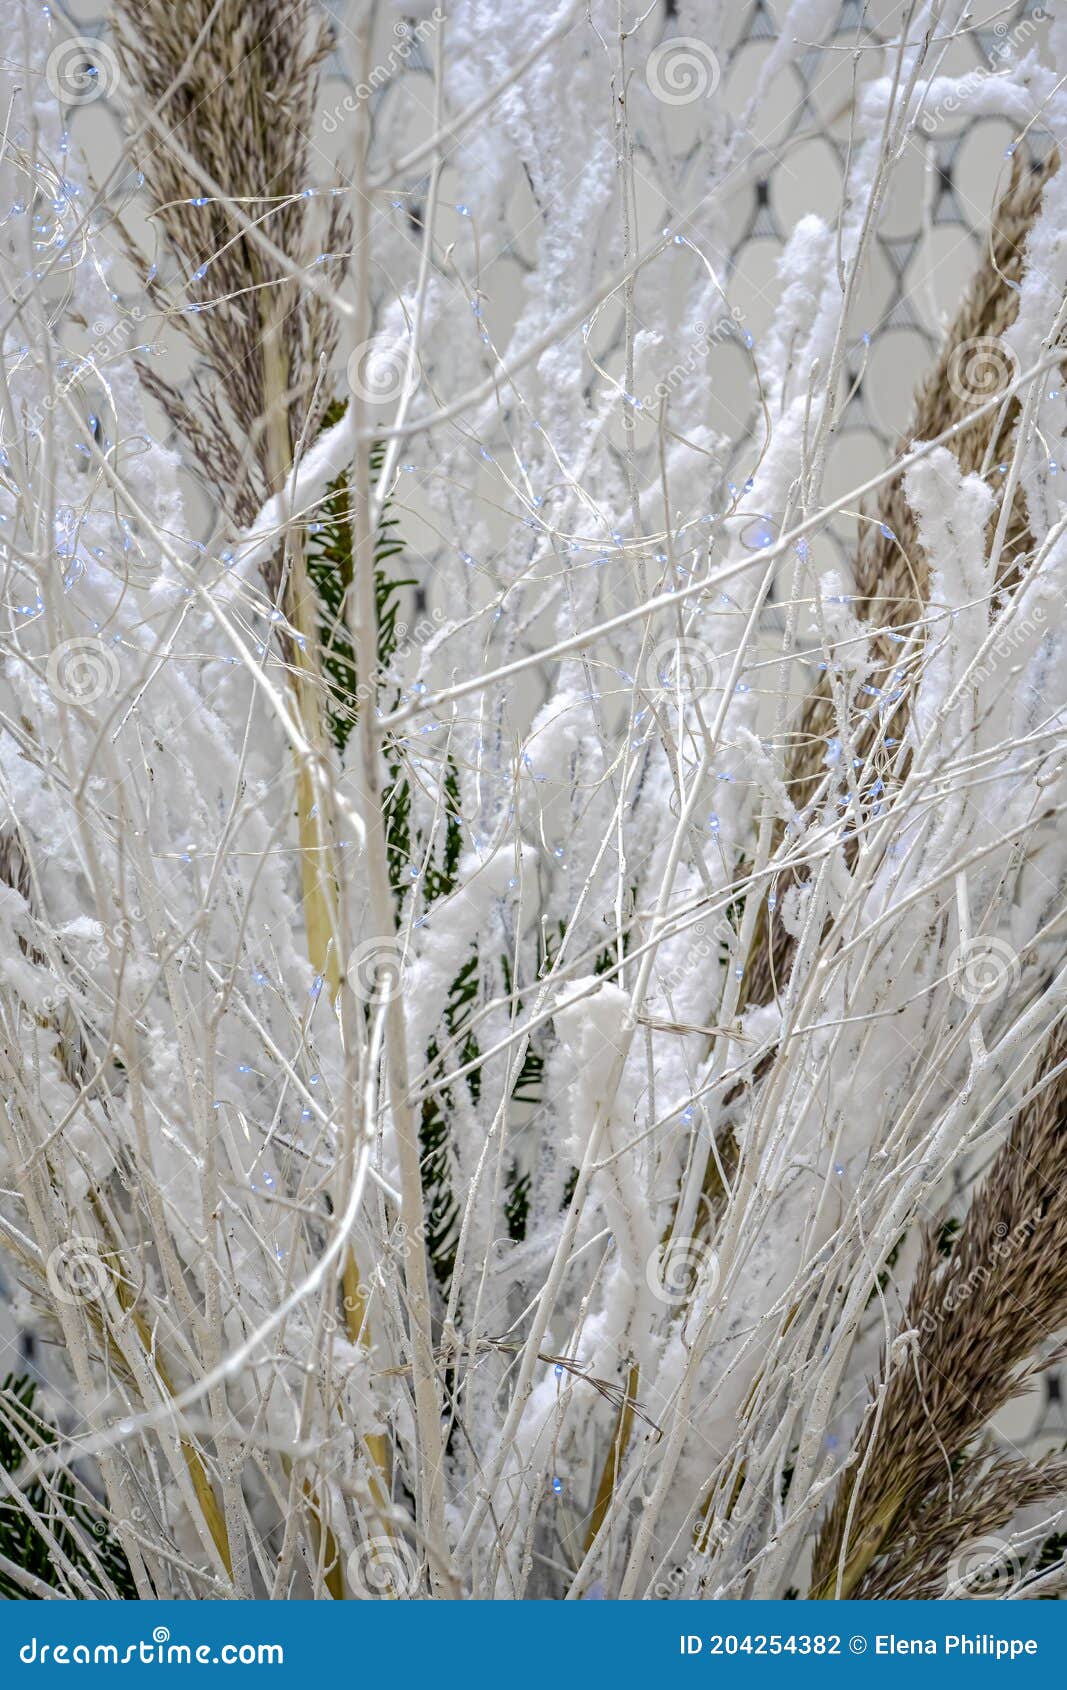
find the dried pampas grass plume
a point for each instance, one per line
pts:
(976, 1314)
(891, 569)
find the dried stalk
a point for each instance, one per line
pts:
(891, 570)
(261, 343)
(966, 1342)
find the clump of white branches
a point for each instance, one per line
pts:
(416, 1183)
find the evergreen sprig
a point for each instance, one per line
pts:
(61, 1503)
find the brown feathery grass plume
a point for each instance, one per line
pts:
(233, 86)
(892, 584)
(235, 108)
(891, 591)
(967, 1343)
(891, 570)
(950, 1549)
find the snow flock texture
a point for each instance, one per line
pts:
(660, 1196)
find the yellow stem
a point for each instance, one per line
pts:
(318, 869)
(207, 1501)
(614, 1458)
